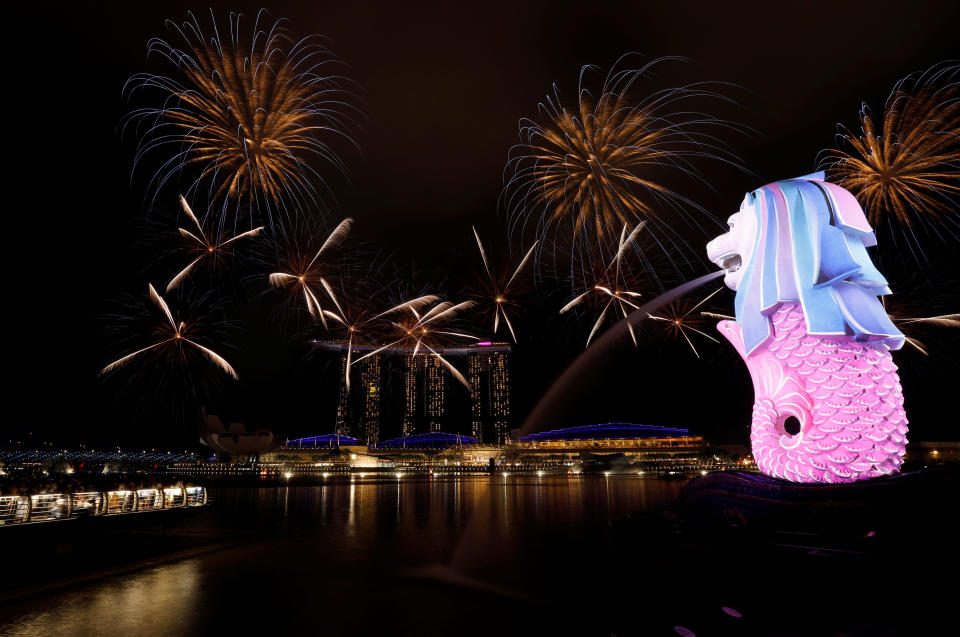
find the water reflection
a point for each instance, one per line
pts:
(160, 601)
(350, 545)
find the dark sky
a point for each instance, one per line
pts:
(444, 86)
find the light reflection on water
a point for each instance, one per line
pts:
(133, 604)
(348, 543)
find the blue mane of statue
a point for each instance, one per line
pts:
(811, 247)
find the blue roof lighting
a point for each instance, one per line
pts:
(435, 440)
(326, 440)
(606, 431)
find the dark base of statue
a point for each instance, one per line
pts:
(866, 558)
(889, 513)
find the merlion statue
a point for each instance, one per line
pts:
(815, 337)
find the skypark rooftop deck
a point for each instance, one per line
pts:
(460, 350)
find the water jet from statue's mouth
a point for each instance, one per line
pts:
(559, 401)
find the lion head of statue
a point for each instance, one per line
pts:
(804, 240)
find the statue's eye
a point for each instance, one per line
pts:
(731, 224)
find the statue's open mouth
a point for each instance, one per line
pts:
(729, 262)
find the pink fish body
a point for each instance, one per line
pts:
(815, 337)
(844, 393)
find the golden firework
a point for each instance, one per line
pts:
(606, 163)
(914, 319)
(680, 318)
(498, 293)
(247, 114)
(308, 277)
(905, 167)
(421, 326)
(909, 327)
(207, 248)
(354, 326)
(612, 286)
(587, 164)
(174, 339)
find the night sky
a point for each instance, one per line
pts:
(444, 85)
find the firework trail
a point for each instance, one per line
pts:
(498, 293)
(173, 343)
(248, 113)
(682, 317)
(208, 250)
(581, 174)
(921, 309)
(355, 325)
(912, 326)
(307, 277)
(421, 326)
(904, 168)
(610, 287)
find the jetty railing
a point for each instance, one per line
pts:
(44, 507)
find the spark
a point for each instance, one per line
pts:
(913, 327)
(309, 277)
(499, 292)
(175, 339)
(208, 249)
(354, 326)
(611, 287)
(725, 317)
(417, 331)
(681, 318)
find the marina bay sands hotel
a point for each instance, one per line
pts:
(429, 393)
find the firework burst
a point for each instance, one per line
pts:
(498, 293)
(307, 277)
(612, 287)
(173, 341)
(353, 325)
(905, 167)
(206, 249)
(592, 169)
(681, 319)
(422, 327)
(247, 113)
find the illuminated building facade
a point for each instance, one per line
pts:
(370, 383)
(409, 394)
(636, 442)
(358, 408)
(424, 386)
(488, 372)
(369, 412)
(435, 392)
